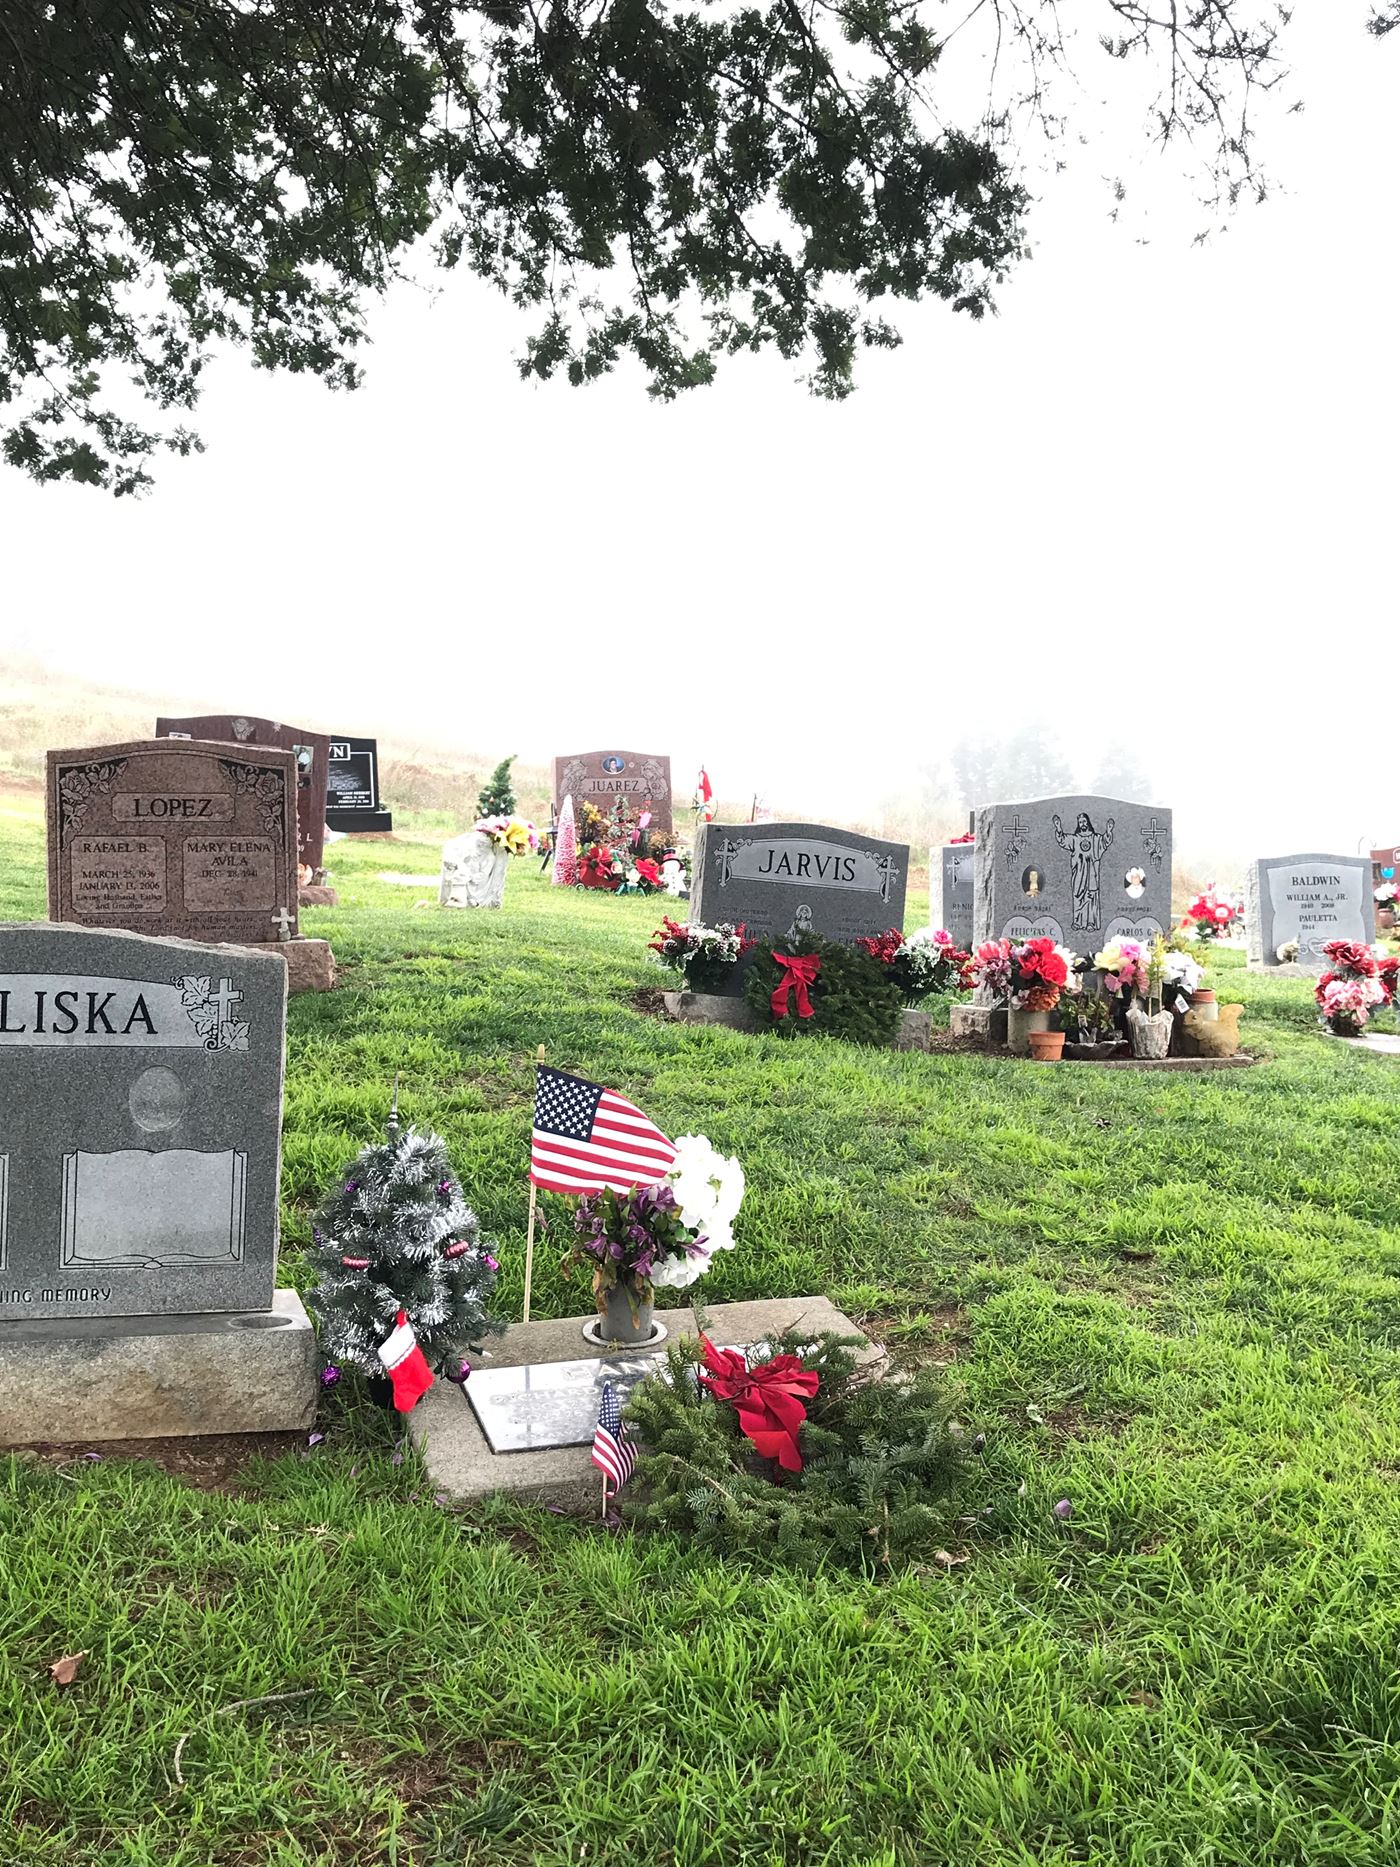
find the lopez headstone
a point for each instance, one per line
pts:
(353, 803)
(1084, 870)
(788, 878)
(641, 779)
(1308, 900)
(950, 890)
(310, 750)
(175, 836)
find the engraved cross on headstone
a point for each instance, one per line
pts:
(886, 871)
(1015, 832)
(1152, 842)
(282, 921)
(224, 1000)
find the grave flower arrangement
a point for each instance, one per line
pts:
(1212, 915)
(1386, 893)
(1351, 988)
(1181, 976)
(510, 833)
(704, 956)
(926, 962)
(663, 1236)
(801, 984)
(1029, 976)
(1125, 965)
(616, 854)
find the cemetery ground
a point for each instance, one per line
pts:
(1173, 1300)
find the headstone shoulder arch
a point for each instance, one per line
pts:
(642, 780)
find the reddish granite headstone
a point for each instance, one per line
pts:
(175, 836)
(641, 779)
(313, 765)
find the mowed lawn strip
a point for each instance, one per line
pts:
(1172, 1300)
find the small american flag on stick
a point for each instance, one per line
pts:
(612, 1450)
(586, 1138)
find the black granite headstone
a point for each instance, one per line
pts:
(353, 802)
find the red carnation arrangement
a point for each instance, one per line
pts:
(883, 947)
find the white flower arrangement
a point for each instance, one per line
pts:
(709, 1188)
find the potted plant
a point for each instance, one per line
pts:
(1028, 979)
(1047, 1046)
(704, 956)
(1351, 988)
(656, 1237)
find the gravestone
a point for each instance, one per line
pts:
(1309, 899)
(641, 779)
(1082, 870)
(175, 836)
(786, 878)
(310, 750)
(951, 872)
(140, 1148)
(353, 803)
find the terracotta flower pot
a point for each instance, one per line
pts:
(1047, 1046)
(1204, 1002)
(1385, 917)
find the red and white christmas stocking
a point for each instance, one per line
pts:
(406, 1365)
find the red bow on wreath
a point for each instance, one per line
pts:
(798, 974)
(768, 1399)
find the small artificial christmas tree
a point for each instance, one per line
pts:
(398, 1235)
(566, 847)
(497, 797)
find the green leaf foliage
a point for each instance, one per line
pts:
(852, 997)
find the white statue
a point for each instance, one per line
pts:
(473, 872)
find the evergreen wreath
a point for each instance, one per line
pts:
(852, 997)
(879, 1465)
(398, 1234)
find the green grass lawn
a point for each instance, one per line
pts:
(1174, 1300)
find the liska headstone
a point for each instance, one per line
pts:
(1309, 899)
(951, 873)
(353, 802)
(175, 836)
(641, 779)
(310, 750)
(1082, 870)
(788, 878)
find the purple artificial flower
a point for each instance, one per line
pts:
(489, 1261)
(330, 1375)
(316, 1439)
(1064, 1510)
(614, 1251)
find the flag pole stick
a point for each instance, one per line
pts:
(604, 1514)
(530, 1228)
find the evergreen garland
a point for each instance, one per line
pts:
(497, 795)
(853, 996)
(879, 1465)
(398, 1234)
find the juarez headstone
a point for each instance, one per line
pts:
(781, 878)
(353, 802)
(1307, 900)
(175, 836)
(1083, 870)
(951, 871)
(310, 750)
(641, 779)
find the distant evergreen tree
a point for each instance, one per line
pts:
(497, 797)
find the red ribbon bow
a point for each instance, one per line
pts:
(798, 974)
(768, 1399)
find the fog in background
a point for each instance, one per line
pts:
(1148, 514)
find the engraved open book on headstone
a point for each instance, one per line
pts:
(146, 1209)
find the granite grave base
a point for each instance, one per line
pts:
(310, 964)
(978, 1023)
(317, 895)
(914, 1033)
(80, 1379)
(552, 1417)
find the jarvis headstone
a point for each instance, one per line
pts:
(950, 890)
(641, 779)
(1084, 870)
(175, 836)
(312, 754)
(353, 803)
(788, 878)
(1308, 900)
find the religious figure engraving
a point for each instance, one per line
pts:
(1086, 848)
(801, 922)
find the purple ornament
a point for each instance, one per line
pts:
(460, 1375)
(1064, 1510)
(444, 1188)
(330, 1375)
(352, 1186)
(489, 1261)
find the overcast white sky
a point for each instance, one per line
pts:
(1153, 501)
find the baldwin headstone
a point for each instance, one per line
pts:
(353, 803)
(140, 1146)
(951, 870)
(175, 836)
(785, 878)
(310, 750)
(1084, 870)
(641, 779)
(1308, 900)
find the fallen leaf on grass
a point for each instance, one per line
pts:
(65, 1671)
(942, 1557)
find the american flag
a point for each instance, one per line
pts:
(612, 1451)
(586, 1138)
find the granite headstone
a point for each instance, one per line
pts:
(140, 1124)
(787, 878)
(312, 754)
(174, 836)
(1309, 899)
(1084, 870)
(353, 802)
(641, 779)
(951, 871)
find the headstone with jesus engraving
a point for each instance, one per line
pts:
(1083, 870)
(642, 780)
(789, 878)
(312, 754)
(175, 836)
(1306, 901)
